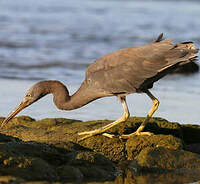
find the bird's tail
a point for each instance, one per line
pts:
(191, 49)
(180, 54)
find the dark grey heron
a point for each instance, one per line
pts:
(125, 71)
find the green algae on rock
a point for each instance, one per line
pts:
(136, 144)
(155, 125)
(52, 144)
(34, 161)
(114, 149)
(165, 159)
(30, 168)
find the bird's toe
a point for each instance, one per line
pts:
(88, 132)
(127, 136)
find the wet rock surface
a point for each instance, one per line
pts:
(49, 151)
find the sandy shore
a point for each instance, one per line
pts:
(176, 105)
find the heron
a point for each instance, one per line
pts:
(120, 73)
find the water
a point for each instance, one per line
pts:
(59, 39)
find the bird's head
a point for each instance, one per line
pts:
(36, 92)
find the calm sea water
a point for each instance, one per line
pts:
(51, 39)
(58, 39)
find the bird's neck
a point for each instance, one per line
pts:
(64, 101)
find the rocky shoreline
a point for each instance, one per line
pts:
(49, 151)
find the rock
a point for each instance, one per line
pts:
(5, 138)
(92, 165)
(136, 144)
(195, 148)
(52, 144)
(25, 167)
(52, 162)
(113, 149)
(191, 133)
(165, 159)
(52, 123)
(155, 125)
(21, 120)
(70, 173)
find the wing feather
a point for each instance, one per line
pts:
(125, 70)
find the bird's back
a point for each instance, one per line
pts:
(134, 69)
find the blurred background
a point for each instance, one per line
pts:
(57, 40)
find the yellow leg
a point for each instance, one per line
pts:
(103, 129)
(150, 114)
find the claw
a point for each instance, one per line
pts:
(110, 135)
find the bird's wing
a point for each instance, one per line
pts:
(131, 56)
(126, 70)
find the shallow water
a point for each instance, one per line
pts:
(175, 104)
(128, 177)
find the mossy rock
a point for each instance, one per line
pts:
(70, 173)
(55, 145)
(28, 129)
(30, 161)
(164, 159)
(36, 150)
(92, 158)
(21, 120)
(113, 149)
(155, 125)
(59, 161)
(66, 147)
(88, 164)
(53, 123)
(136, 144)
(26, 167)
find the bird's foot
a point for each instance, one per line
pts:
(88, 134)
(95, 132)
(137, 133)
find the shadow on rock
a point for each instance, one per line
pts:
(34, 161)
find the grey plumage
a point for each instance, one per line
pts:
(125, 71)
(135, 69)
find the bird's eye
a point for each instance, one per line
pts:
(28, 95)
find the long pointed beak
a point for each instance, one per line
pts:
(19, 108)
